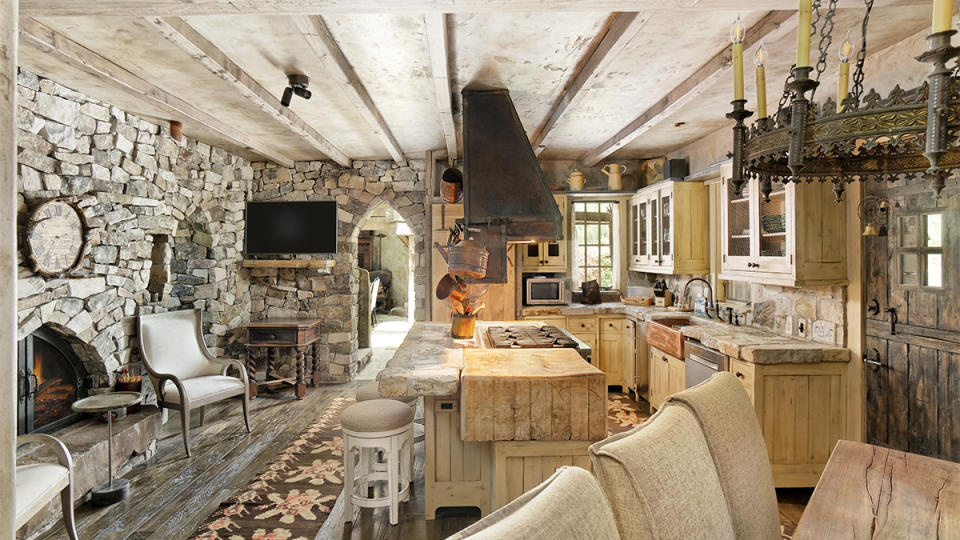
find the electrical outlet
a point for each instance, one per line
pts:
(802, 327)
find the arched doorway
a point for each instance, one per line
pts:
(386, 247)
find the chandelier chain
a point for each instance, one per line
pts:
(787, 93)
(861, 56)
(826, 39)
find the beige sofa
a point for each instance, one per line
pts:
(698, 468)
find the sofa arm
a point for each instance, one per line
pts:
(54, 444)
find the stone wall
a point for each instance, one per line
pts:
(332, 295)
(395, 257)
(165, 222)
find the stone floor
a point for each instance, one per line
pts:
(172, 495)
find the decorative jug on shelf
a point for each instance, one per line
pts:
(576, 181)
(614, 172)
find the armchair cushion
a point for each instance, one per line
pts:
(661, 481)
(36, 484)
(732, 432)
(204, 389)
(569, 504)
(171, 344)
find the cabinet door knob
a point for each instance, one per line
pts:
(664, 358)
(739, 375)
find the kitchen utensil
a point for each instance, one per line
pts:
(576, 181)
(456, 306)
(476, 290)
(466, 260)
(449, 287)
(451, 185)
(614, 172)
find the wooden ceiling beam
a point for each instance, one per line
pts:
(188, 39)
(77, 56)
(703, 79)
(438, 43)
(183, 8)
(619, 29)
(318, 36)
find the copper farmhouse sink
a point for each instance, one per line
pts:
(665, 334)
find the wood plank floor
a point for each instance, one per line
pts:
(172, 495)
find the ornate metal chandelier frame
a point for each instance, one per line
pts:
(870, 137)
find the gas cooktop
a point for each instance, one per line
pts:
(529, 337)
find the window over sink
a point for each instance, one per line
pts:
(595, 242)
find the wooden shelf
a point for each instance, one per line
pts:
(740, 201)
(740, 236)
(774, 234)
(286, 263)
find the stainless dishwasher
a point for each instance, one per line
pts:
(701, 362)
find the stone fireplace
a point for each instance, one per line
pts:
(50, 378)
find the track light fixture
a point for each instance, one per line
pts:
(297, 84)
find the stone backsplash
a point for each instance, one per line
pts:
(782, 310)
(332, 295)
(165, 222)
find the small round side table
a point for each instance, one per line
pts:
(113, 490)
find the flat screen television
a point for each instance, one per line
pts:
(291, 227)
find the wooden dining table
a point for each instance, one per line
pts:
(868, 491)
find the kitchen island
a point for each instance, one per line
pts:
(498, 421)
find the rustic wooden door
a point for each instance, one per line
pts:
(912, 303)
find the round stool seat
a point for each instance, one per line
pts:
(371, 391)
(376, 415)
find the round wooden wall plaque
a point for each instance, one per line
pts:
(55, 237)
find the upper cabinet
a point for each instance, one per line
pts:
(794, 239)
(669, 229)
(548, 256)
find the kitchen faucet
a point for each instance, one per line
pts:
(706, 310)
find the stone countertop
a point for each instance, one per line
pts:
(744, 342)
(640, 313)
(427, 363)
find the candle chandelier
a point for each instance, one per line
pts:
(909, 134)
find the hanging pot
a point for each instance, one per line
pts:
(451, 185)
(466, 260)
(449, 288)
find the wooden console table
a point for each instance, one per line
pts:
(272, 334)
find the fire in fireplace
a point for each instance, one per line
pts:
(51, 378)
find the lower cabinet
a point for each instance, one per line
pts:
(629, 358)
(802, 409)
(667, 376)
(612, 351)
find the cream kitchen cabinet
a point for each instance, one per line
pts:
(802, 409)
(549, 256)
(669, 228)
(613, 353)
(794, 239)
(629, 358)
(667, 376)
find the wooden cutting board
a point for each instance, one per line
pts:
(531, 394)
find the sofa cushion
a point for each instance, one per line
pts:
(732, 432)
(569, 504)
(661, 481)
(204, 389)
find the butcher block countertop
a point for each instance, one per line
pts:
(531, 394)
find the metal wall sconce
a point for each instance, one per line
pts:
(875, 215)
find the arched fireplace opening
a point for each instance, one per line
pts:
(50, 378)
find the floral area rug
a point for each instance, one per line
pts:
(293, 495)
(623, 413)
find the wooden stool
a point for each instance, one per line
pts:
(368, 426)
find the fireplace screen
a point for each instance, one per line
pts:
(51, 378)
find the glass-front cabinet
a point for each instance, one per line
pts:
(795, 238)
(548, 256)
(670, 232)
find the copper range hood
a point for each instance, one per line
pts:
(505, 196)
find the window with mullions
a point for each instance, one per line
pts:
(920, 242)
(593, 224)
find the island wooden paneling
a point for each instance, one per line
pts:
(531, 394)
(456, 473)
(520, 466)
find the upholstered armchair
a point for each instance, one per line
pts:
(569, 504)
(37, 483)
(183, 372)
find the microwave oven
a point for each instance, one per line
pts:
(545, 290)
